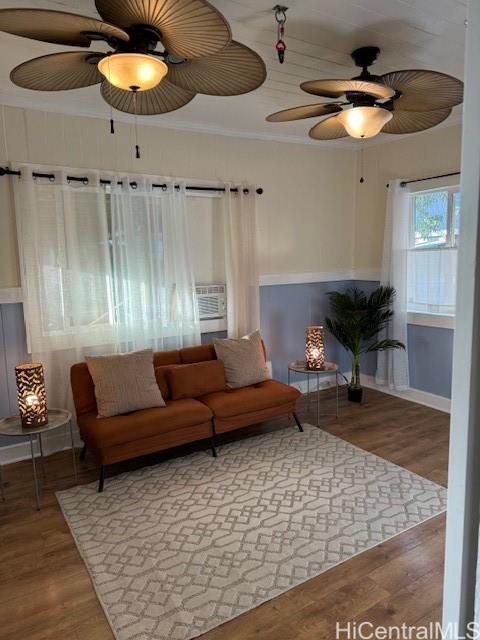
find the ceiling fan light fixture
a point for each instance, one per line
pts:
(364, 122)
(133, 71)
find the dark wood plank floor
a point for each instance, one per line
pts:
(46, 594)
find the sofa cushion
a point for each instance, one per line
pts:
(244, 360)
(108, 432)
(124, 382)
(83, 390)
(193, 380)
(161, 375)
(235, 402)
(199, 353)
(162, 358)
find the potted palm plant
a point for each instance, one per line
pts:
(357, 322)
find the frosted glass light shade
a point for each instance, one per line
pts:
(32, 401)
(314, 348)
(364, 122)
(133, 71)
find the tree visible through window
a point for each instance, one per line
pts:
(431, 218)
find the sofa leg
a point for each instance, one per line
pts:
(101, 478)
(299, 424)
(83, 452)
(212, 445)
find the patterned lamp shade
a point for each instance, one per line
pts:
(32, 401)
(314, 348)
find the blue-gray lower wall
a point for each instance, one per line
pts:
(285, 312)
(13, 351)
(430, 352)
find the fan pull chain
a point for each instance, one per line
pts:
(281, 18)
(137, 147)
(112, 123)
(362, 167)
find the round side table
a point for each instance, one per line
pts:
(56, 418)
(300, 366)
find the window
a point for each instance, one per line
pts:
(432, 256)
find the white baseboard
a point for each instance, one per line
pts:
(58, 440)
(413, 395)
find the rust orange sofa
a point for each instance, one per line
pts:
(198, 407)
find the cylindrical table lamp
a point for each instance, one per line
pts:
(32, 401)
(314, 348)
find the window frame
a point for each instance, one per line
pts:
(424, 318)
(451, 242)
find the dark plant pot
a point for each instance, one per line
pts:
(355, 394)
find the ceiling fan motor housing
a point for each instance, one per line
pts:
(365, 56)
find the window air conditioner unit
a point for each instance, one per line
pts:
(212, 306)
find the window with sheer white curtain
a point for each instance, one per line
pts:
(432, 255)
(102, 272)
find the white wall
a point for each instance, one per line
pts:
(314, 216)
(205, 228)
(306, 215)
(433, 152)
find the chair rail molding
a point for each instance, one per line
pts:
(11, 295)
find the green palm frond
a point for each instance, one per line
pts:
(359, 319)
(384, 345)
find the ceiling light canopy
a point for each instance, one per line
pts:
(133, 71)
(364, 122)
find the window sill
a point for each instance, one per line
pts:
(431, 320)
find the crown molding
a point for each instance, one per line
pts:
(10, 98)
(21, 101)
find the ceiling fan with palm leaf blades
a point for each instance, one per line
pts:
(399, 102)
(163, 52)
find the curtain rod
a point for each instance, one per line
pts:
(84, 180)
(443, 175)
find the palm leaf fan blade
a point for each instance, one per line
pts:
(58, 72)
(163, 98)
(189, 28)
(305, 111)
(57, 27)
(233, 71)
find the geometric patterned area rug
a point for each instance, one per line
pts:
(179, 548)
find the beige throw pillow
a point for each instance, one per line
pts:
(124, 382)
(243, 359)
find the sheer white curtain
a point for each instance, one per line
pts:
(241, 262)
(66, 273)
(392, 366)
(154, 286)
(432, 280)
(101, 273)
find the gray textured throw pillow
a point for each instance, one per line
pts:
(124, 382)
(243, 359)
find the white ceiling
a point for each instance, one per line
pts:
(320, 34)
